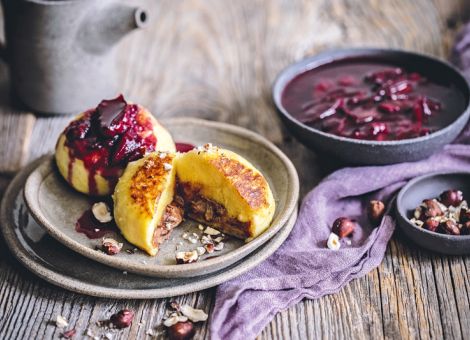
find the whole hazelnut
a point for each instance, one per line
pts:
(343, 227)
(181, 331)
(375, 211)
(451, 197)
(431, 224)
(450, 227)
(432, 208)
(122, 319)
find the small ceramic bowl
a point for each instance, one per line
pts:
(355, 151)
(431, 186)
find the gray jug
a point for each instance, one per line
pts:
(61, 53)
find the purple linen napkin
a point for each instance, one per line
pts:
(303, 267)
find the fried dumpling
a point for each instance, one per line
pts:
(143, 208)
(222, 189)
(94, 149)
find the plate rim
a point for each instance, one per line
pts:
(181, 270)
(75, 285)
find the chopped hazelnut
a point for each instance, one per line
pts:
(333, 242)
(174, 319)
(209, 247)
(211, 231)
(110, 246)
(201, 251)
(101, 212)
(183, 257)
(61, 322)
(219, 246)
(193, 314)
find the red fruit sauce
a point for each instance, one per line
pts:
(372, 101)
(184, 147)
(88, 225)
(107, 138)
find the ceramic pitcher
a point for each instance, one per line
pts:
(61, 53)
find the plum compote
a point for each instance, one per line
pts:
(371, 101)
(107, 138)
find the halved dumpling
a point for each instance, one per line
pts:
(222, 189)
(143, 196)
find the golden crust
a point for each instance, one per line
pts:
(141, 197)
(148, 181)
(251, 186)
(231, 183)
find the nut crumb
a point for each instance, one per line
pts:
(193, 238)
(61, 322)
(209, 247)
(219, 246)
(206, 240)
(150, 332)
(184, 257)
(201, 251)
(211, 231)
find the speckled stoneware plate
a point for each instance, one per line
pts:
(53, 262)
(57, 207)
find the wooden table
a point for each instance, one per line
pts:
(217, 59)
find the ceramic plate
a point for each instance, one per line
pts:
(57, 264)
(57, 207)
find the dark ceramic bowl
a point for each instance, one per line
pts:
(430, 186)
(354, 151)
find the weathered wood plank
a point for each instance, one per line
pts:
(15, 131)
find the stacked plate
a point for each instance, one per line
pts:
(39, 212)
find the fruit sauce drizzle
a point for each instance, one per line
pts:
(371, 101)
(184, 147)
(88, 225)
(107, 138)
